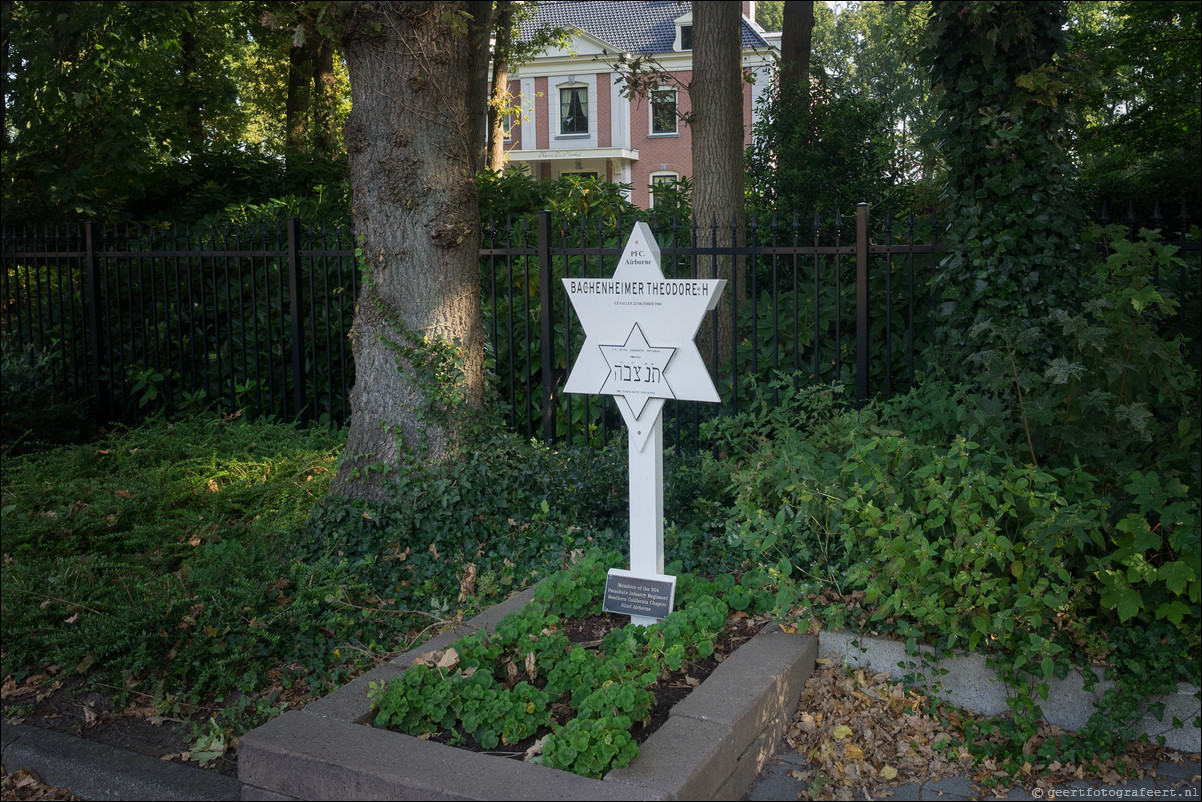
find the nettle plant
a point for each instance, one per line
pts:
(505, 687)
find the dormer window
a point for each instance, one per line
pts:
(684, 33)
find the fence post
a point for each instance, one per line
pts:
(862, 304)
(102, 405)
(296, 309)
(546, 323)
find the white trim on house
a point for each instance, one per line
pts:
(559, 139)
(573, 153)
(529, 118)
(651, 132)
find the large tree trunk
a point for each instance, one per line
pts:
(296, 104)
(716, 90)
(498, 98)
(418, 338)
(797, 35)
(479, 29)
(324, 97)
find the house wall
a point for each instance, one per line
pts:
(615, 122)
(659, 152)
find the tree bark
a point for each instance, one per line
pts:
(716, 90)
(418, 335)
(325, 139)
(479, 16)
(796, 42)
(296, 105)
(498, 99)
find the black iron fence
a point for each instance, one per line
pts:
(820, 301)
(140, 322)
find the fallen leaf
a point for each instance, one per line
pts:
(535, 749)
(449, 659)
(841, 731)
(887, 773)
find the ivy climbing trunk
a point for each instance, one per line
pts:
(1004, 135)
(418, 338)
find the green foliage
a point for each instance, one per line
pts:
(955, 544)
(1112, 386)
(1003, 135)
(509, 508)
(819, 150)
(153, 110)
(487, 687)
(35, 413)
(152, 560)
(1135, 68)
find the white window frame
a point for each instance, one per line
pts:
(559, 109)
(651, 182)
(651, 112)
(683, 22)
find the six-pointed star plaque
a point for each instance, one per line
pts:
(639, 329)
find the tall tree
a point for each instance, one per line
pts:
(716, 91)
(498, 97)
(479, 30)
(418, 338)
(1004, 138)
(797, 35)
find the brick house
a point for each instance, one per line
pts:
(574, 120)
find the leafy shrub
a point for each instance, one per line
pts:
(35, 413)
(510, 508)
(962, 545)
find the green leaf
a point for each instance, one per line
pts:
(1129, 603)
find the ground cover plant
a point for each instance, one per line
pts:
(583, 701)
(198, 572)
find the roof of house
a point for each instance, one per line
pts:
(629, 25)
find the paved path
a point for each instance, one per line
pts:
(94, 771)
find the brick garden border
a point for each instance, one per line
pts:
(713, 745)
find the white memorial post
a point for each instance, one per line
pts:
(639, 329)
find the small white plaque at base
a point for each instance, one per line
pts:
(647, 596)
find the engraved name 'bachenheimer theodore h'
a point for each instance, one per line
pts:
(639, 329)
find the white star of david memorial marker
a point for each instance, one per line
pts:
(639, 329)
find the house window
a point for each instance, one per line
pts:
(684, 33)
(578, 174)
(663, 111)
(507, 126)
(573, 110)
(662, 183)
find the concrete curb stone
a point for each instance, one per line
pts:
(96, 771)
